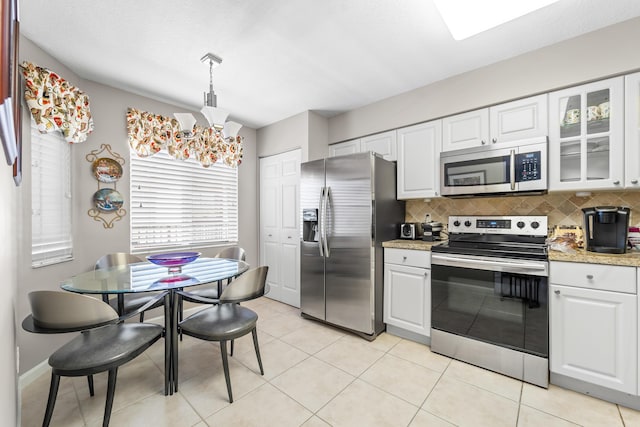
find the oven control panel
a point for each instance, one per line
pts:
(529, 225)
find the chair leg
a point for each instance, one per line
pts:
(142, 317)
(180, 313)
(232, 341)
(225, 365)
(90, 381)
(51, 402)
(111, 389)
(254, 332)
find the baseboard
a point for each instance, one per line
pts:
(410, 335)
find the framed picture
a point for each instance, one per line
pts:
(10, 120)
(469, 178)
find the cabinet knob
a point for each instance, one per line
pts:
(616, 182)
(590, 276)
(634, 181)
(483, 142)
(270, 235)
(494, 140)
(426, 274)
(404, 258)
(557, 292)
(288, 237)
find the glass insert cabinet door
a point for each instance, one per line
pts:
(586, 136)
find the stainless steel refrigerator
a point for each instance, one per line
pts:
(349, 208)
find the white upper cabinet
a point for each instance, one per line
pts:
(522, 119)
(418, 160)
(465, 130)
(632, 131)
(586, 137)
(342, 148)
(381, 143)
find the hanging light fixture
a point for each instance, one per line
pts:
(216, 117)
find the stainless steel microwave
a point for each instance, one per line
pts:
(503, 168)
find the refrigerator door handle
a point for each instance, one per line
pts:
(320, 228)
(325, 240)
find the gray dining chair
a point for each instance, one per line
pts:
(104, 344)
(209, 291)
(227, 319)
(131, 301)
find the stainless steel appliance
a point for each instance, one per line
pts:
(431, 231)
(341, 272)
(411, 230)
(515, 167)
(489, 295)
(606, 229)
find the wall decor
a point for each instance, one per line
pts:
(10, 112)
(107, 201)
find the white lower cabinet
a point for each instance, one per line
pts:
(594, 331)
(407, 290)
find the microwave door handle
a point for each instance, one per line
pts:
(320, 218)
(512, 170)
(325, 240)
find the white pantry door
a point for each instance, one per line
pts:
(280, 225)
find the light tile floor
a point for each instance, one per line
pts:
(316, 375)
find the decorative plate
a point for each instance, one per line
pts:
(107, 200)
(107, 170)
(174, 259)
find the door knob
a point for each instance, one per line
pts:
(404, 258)
(483, 142)
(557, 292)
(634, 181)
(616, 182)
(494, 140)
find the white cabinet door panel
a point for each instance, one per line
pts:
(593, 336)
(419, 149)
(632, 131)
(465, 130)
(518, 120)
(407, 298)
(381, 143)
(342, 148)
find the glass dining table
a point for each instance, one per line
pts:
(148, 277)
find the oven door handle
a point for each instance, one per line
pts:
(537, 269)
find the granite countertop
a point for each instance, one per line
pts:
(418, 245)
(631, 259)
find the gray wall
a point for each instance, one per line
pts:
(602, 53)
(91, 239)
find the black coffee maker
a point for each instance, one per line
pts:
(606, 229)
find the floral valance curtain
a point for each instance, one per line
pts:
(150, 133)
(55, 104)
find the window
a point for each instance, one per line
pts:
(179, 204)
(51, 239)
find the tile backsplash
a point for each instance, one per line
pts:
(560, 208)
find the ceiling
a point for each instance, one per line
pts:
(283, 57)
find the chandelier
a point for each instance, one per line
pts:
(216, 117)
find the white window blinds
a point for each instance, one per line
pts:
(51, 238)
(179, 204)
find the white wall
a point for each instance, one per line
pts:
(91, 239)
(8, 271)
(612, 50)
(285, 135)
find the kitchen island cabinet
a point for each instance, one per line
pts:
(407, 293)
(593, 325)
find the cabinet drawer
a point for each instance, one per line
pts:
(408, 257)
(593, 276)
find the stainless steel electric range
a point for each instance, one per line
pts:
(489, 295)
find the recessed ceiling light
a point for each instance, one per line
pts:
(466, 18)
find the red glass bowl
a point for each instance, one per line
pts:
(174, 259)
